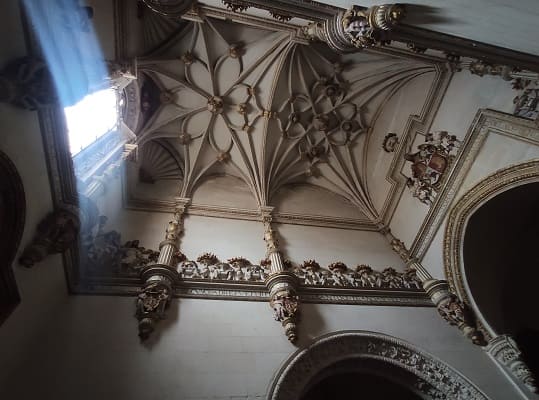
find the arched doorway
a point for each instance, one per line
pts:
(353, 362)
(12, 217)
(491, 262)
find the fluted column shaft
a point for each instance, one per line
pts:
(281, 284)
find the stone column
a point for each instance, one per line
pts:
(160, 278)
(449, 306)
(357, 28)
(282, 284)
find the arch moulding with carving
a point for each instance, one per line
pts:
(427, 375)
(494, 184)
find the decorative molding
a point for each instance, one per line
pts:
(429, 374)
(486, 122)
(474, 198)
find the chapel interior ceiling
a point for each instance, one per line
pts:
(242, 117)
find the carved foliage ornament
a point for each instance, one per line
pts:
(433, 377)
(430, 163)
(339, 275)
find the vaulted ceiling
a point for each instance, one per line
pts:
(218, 99)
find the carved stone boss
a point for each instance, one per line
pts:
(282, 284)
(357, 28)
(160, 278)
(449, 306)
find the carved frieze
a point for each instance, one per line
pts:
(209, 267)
(339, 275)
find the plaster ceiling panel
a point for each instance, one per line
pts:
(314, 200)
(403, 105)
(224, 191)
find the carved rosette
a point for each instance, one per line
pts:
(152, 302)
(505, 350)
(357, 28)
(285, 302)
(452, 310)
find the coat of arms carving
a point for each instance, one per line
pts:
(430, 163)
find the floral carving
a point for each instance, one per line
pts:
(135, 257)
(208, 258)
(430, 376)
(390, 142)
(209, 267)
(338, 274)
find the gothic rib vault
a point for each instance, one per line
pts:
(273, 113)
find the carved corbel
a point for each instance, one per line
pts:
(449, 306)
(281, 284)
(285, 302)
(55, 234)
(453, 310)
(154, 297)
(161, 277)
(505, 350)
(357, 28)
